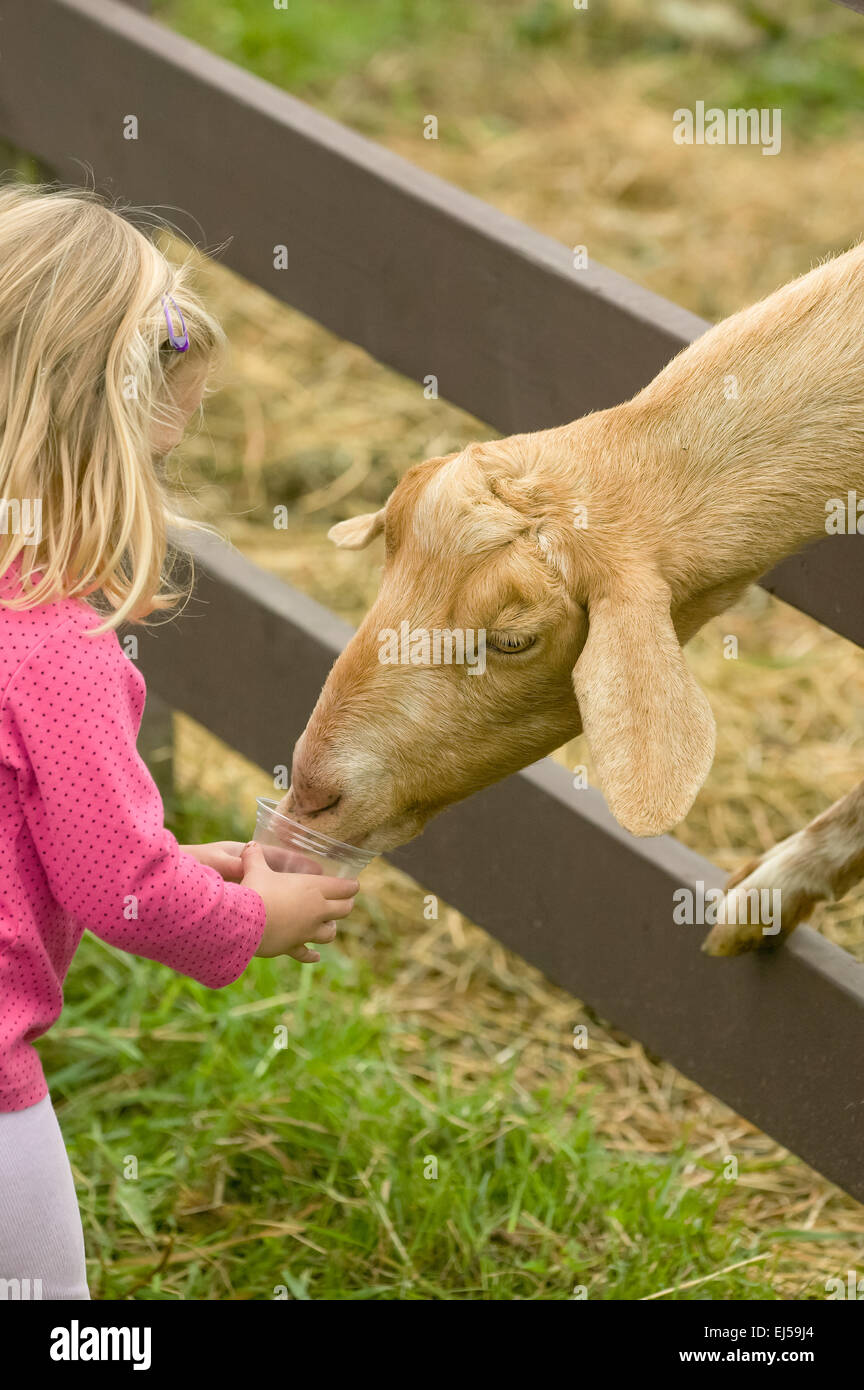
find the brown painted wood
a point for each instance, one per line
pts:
(826, 581)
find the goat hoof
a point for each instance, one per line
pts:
(765, 901)
(735, 939)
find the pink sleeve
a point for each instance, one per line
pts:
(70, 723)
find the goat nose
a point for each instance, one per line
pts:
(310, 794)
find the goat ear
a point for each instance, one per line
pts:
(357, 531)
(649, 725)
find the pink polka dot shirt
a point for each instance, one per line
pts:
(83, 843)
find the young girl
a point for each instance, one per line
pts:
(104, 355)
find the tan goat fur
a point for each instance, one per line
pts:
(721, 466)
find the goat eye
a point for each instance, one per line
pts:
(510, 641)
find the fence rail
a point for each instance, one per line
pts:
(429, 279)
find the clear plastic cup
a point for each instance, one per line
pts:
(291, 848)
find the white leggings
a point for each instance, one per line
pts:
(41, 1241)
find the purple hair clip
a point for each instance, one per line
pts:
(180, 342)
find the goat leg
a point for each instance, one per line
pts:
(818, 864)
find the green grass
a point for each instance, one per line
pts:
(285, 1133)
(312, 41)
(803, 55)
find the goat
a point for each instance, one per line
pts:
(588, 555)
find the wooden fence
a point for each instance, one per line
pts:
(429, 279)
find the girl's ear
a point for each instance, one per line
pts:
(357, 531)
(649, 725)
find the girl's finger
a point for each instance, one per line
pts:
(336, 888)
(303, 954)
(302, 865)
(289, 861)
(336, 909)
(325, 933)
(281, 861)
(229, 866)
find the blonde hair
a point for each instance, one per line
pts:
(86, 373)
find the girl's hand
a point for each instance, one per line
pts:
(222, 855)
(300, 907)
